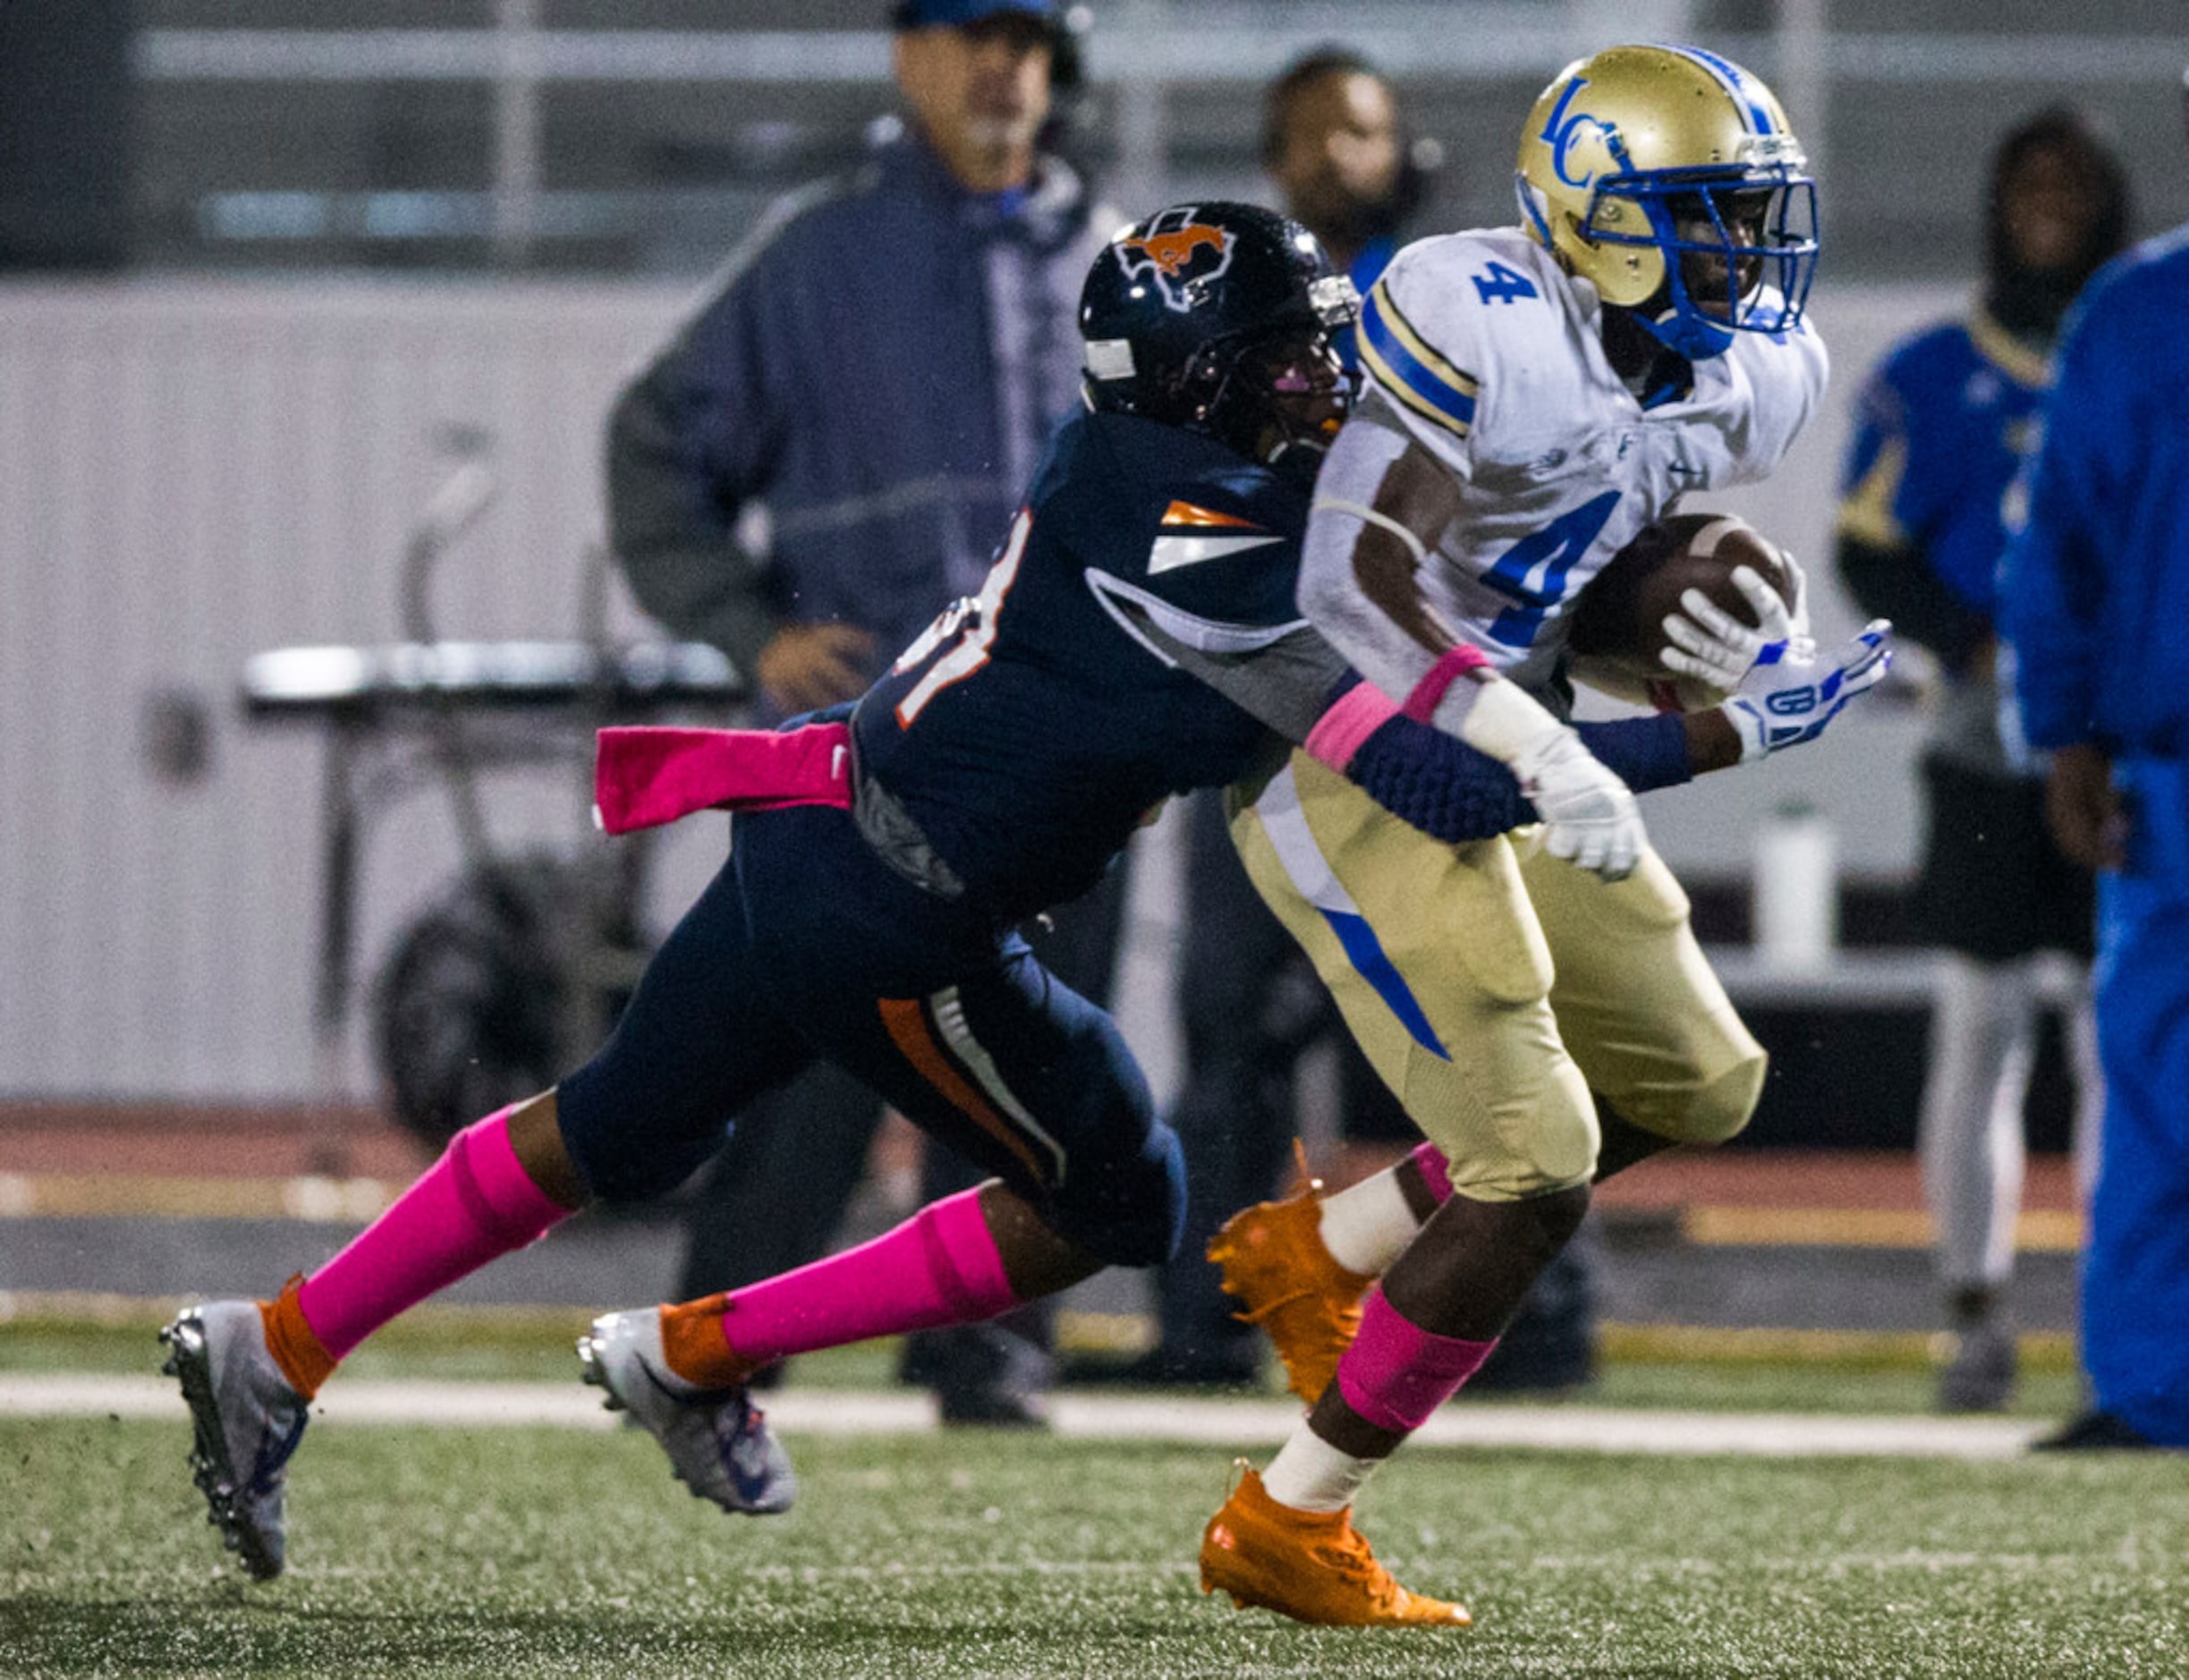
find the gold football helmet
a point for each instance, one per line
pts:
(1668, 178)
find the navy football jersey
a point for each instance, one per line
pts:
(1015, 746)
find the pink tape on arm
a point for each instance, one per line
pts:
(1397, 1374)
(1435, 1172)
(1359, 712)
(940, 1267)
(475, 1204)
(1452, 664)
(645, 777)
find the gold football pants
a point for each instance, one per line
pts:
(1494, 986)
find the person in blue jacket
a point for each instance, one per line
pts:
(2093, 594)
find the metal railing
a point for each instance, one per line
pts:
(1141, 50)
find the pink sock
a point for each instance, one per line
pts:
(940, 1267)
(1435, 1173)
(1396, 1373)
(473, 1205)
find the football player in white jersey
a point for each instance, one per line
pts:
(1535, 395)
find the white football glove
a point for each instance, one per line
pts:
(1793, 691)
(1588, 815)
(1711, 645)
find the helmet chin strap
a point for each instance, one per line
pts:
(1687, 332)
(1646, 362)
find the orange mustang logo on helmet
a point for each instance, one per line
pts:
(1171, 250)
(1176, 253)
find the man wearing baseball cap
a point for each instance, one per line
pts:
(977, 76)
(879, 367)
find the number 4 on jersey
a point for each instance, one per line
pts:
(1533, 572)
(1500, 284)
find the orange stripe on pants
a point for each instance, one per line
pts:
(908, 1027)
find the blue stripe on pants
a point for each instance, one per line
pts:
(1366, 953)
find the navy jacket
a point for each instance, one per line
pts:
(878, 368)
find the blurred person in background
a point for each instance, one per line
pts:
(878, 369)
(1335, 143)
(1337, 148)
(1944, 424)
(2093, 595)
(1248, 1001)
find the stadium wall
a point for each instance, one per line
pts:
(191, 473)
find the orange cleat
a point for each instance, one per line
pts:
(1312, 1566)
(1273, 1260)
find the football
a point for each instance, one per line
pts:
(1617, 636)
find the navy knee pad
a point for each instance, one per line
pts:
(1129, 1209)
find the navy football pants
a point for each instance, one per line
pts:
(805, 946)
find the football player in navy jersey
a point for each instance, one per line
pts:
(1135, 637)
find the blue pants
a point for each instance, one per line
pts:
(2135, 1278)
(806, 948)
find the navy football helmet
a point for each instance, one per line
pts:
(1218, 318)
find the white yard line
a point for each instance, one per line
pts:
(1240, 1424)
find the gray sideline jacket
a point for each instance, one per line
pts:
(880, 367)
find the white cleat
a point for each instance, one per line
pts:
(718, 1443)
(247, 1421)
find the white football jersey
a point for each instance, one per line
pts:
(1486, 354)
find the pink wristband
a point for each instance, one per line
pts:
(1421, 704)
(1338, 735)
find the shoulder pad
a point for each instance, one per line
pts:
(1448, 311)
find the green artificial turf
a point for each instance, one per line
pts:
(513, 1552)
